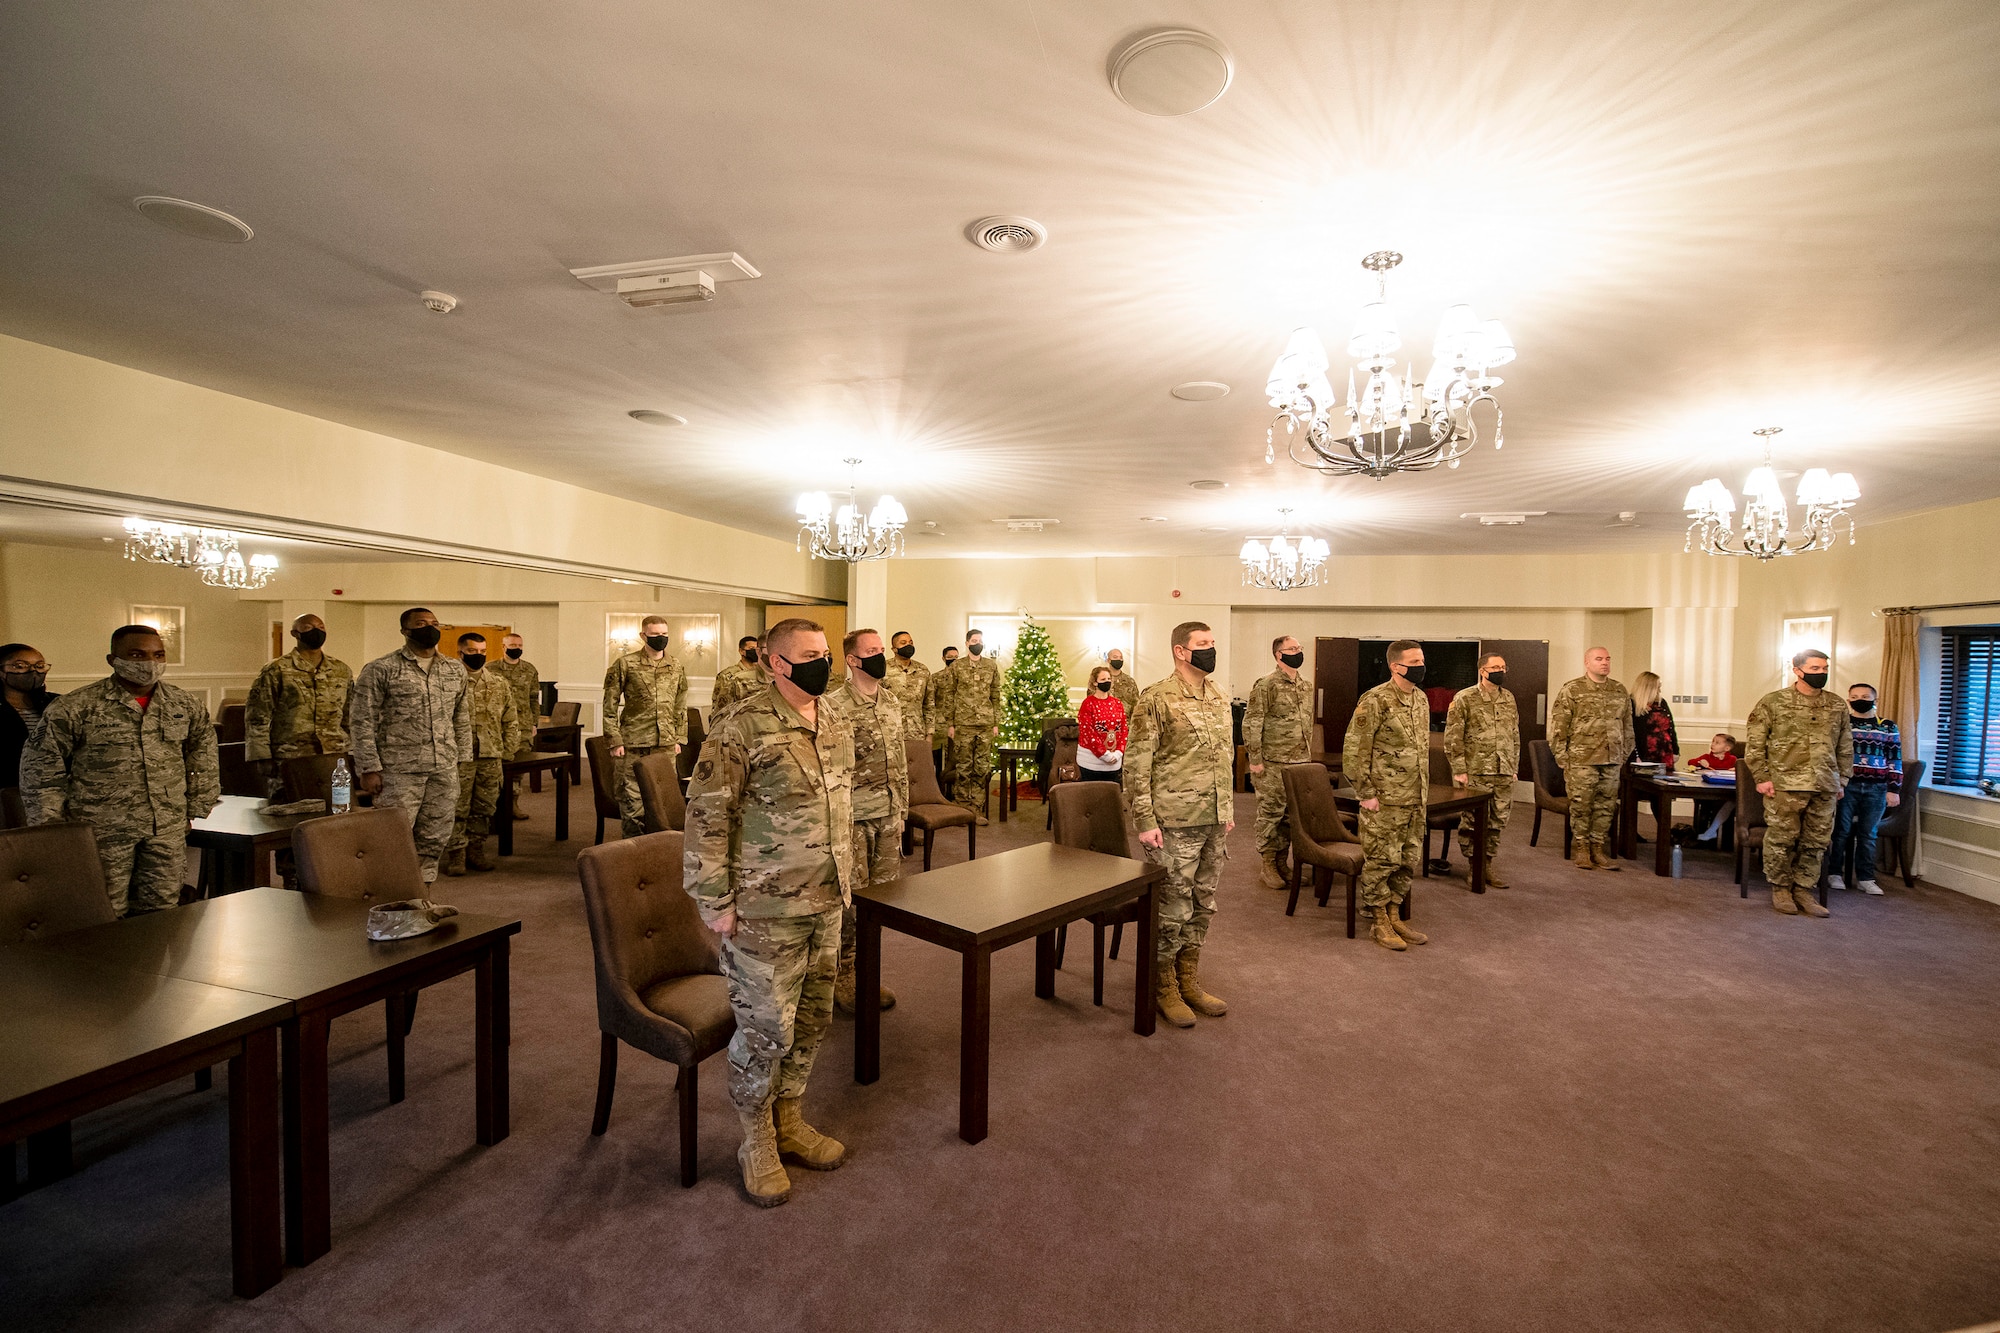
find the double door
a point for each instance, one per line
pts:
(1343, 669)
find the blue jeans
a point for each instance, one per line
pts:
(1856, 817)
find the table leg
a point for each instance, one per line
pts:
(1045, 966)
(263, 867)
(1628, 820)
(1148, 945)
(503, 816)
(1479, 813)
(308, 1187)
(975, 1032)
(1007, 774)
(1663, 834)
(256, 1243)
(395, 1011)
(562, 805)
(49, 1156)
(490, 1044)
(867, 981)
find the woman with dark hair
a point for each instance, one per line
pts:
(25, 673)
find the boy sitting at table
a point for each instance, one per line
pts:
(1721, 758)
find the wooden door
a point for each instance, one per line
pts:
(1336, 689)
(1528, 678)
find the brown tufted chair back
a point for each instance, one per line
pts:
(1091, 815)
(366, 854)
(564, 714)
(50, 882)
(1551, 792)
(924, 789)
(650, 944)
(660, 789)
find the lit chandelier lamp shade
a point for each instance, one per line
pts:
(1283, 563)
(176, 545)
(1826, 498)
(843, 534)
(232, 572)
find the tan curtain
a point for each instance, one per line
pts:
(1902, 699)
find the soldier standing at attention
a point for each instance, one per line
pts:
(645, 709)
(1123, 688)
(1180, 767)
(1277, 731)
(1801, 752)
(1590, 735)
(526, 683)
(412, 723)
(881, 786)
(133, 757)
(497, 736)
(769, 862)
(910, 681)
(937, 705)
(298, 704)
(973, 723)
(740, 679)
(1482, 739)
(1387, 761)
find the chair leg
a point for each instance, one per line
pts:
(972, 842)
(1292, 903)
(1569, 837)
(688, 1086)
(607, 1080)
(398, 1027)
(906, 837)
(930, 838)
(1353, 888)
(1322, 884)
(1536, 831)
(1424, 860)
(1117, 938)
(600, 830)
(1096, 963)
(1062, 944)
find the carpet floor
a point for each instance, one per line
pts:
(1592, 1101)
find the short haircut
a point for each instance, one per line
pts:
(748, 638)
(1724, 736)
(1484, 658)
(851, 638)
(10, 651)
(1805, 655)
(1186, 630)
(972, 634)
(902, 634)
(950, 651)
(1399, 647)
(786, 630)
(511, 635)
(1857, 685)
(403, 621)
(1279, 642)
(652, 620)
(128, 631)
(469, 637)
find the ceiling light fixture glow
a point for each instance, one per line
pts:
(1826, 499)
(845, 534)
(1283, 563)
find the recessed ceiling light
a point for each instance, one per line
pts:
(1506, 520)
(192, 219)
(1143, 518)
(652, 418)
(1170, 71)
(1209, 484)
(1024, 523)
(1007, 234)
(1200, 391)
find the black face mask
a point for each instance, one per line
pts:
(907, 651)
(474, 661)
(1293, 660)
(513, 654)
(27, 682)
(811, 676)
(657, 642)
(424, 636)
(1202, 659)
(312, 638)
(876, 665)
(1115, 663)
(949, 660)
(750, 656)
(1104, 686)
(1862, 706)
(975, 648)
(1496, 678)
(1816, 679)
(1414, 674)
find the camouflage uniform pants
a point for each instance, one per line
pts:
(431, 801)
(1193, 858)
(143, 874)
(878, 858)
(972, 766)
(478, 798)
(1593, 800)
(1499, 787)
(1798, 827)
(631, 805)
(1274, 829)
(780, 971)
(1392, 838)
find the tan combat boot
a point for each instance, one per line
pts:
(764, 1178)
(804, 1144)
(476, 857)
(1580, 857)
(1269, 873)
(1781, 900)
(1188, 966)
(1605, 860)
(1172, 1007)
(1808, 902)
(1404, 928)
(1381, 931)
(454, 862)
(1493, 879)
(843, 992)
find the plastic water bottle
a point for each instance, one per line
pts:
(1676, 860)
(343, 788)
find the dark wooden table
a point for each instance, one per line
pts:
(1660, 790)
(980, 906)
(77, 1036)
(241, 838)
(532, 762)
(1442, 800)
(311, 949)
(550, 739)
(1010, 758)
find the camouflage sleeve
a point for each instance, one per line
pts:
(1630, 722)
(1139, 747)
(257, 710)
(714, 809)
(534, 700)
(461, 719)
(1253, 721)
(204, 767)
(613, 689)
(893, 734)
(680, 707)
(515, 736)
(1756, 746)
(1360, 743)
(364, 703)
(1559, 723)
(1454, 737)
(1844, 748)
(45, 769)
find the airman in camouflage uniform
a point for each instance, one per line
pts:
(497, 736)
(1123, 688)
(1590, 734)
(1277, 732)
(937, 706)
(769, 861)
(740, 679)
(412, 722)
(1801, 753)
(1482, 739)
(1386, 760)
(645, 709)
(298, 704)
(525, 680)
(135, 774)
(881, 787)
(910, 681)
(1180, 768)
(973, 723)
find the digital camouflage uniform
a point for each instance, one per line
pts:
(1387, 759)
(524, 682)
(412, 726)
(1803, 747)
(497, 736)
(881, 798)
(737, 681)
(1482, 739)
(937, 707)
(1125, 690)
(1277, 731)
(975, 712)
(1180, 763)
(297, 708)
(645, 709)
(1590, 735)
(910, 682)
(769, 835)
(136, 776)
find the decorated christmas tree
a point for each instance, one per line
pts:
(1033, 689)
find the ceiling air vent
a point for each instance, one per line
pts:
(1007, 235)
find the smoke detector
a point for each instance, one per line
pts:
(1512, 520)
(1170, 71)
(1021, 523)
(192, 219)
(1007, 234)
(687, 280)
(442, 303)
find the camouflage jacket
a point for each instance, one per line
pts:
(937, 704)
(881, 764)
(1180, 757)
(1799, 743)
(1483, 736)
(1387, 756)
(1591, 723)
(1277, 724)
(769, 812)
(645, 702)
(1125, 690)
(739, 680)
(526, 684)
(296, 709)
(129, 772)
(975, 692)
(910, 682)
(497, 732)
(409, 720)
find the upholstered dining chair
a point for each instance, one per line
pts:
(1320, 837)
(1092, 816)
(1896, 835)
(1551, 792)
(660, 790)
(929, 811)
(1750, 827)
(603, 781)
(1445, 825)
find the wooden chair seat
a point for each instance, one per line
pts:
(1320, 838)
(929, 811)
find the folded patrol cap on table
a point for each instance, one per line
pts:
(401, 921)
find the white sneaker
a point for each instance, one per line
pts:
(1870, 886)
(1836, 882)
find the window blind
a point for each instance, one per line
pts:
(1969, 706)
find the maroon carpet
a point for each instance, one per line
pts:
(1592, 1101)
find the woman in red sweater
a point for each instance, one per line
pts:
(1100, 731)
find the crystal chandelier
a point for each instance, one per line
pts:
(172, 544)
(1766, 532)
(1390, 424)
(1282, 563)
(229, 570)
(844, 534)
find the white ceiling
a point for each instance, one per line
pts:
(1694, 218)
